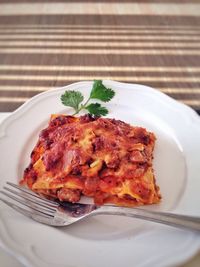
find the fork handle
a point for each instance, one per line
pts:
(180, 221)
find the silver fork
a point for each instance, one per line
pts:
(55, 213)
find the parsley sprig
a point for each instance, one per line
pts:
(75, 99)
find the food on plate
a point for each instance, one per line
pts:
(100, 92)
(105, 159)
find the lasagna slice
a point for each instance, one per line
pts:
(105, 159)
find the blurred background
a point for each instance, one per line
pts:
(47, 44)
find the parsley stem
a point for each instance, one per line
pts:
(86, 102)
(81, 107)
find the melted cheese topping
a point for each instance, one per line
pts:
(106, 159)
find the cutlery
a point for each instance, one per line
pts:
(56, 213)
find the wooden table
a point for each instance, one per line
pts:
(47, 44)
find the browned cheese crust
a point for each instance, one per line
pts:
(106, 159)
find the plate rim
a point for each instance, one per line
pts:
(190, 112)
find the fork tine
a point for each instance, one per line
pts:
(38, 209)
(33, 215)
(29, 198)
(28, 191)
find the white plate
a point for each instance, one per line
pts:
(108, 240)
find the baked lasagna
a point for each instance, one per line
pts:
(105, 159)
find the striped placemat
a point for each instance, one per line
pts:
(46, 44)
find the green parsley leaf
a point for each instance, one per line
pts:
(72, 99)
(99, 91)
(96, 109)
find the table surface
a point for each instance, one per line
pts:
(47, 44)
